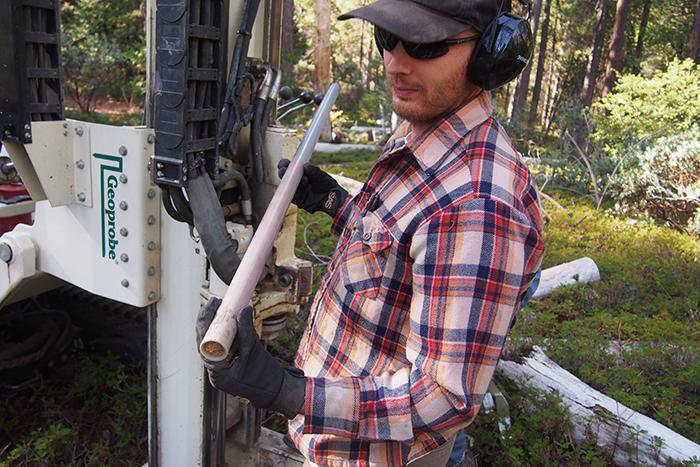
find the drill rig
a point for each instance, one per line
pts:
(158, 216)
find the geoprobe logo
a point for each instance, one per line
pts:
(110, 168)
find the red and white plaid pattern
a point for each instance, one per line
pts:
(407, 327)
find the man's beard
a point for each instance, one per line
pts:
(434, 101)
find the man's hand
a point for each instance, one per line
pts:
(250, 371)
(317, 190)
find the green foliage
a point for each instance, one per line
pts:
(541, 433)
(104, 50)
(665, 182)
(89, 412)
(633, 335)
(642, 109)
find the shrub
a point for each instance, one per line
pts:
(644, 109)
(664, 183)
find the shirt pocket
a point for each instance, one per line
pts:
(366, 256)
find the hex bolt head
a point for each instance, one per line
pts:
(151, 246)
(122, 150)
(27, 126)
(123, 178)
(124, 232)
(124, 257)
(65, 125)
(123, 205)
(80, 164)
(151, 193)
(151, 220)
(151, 295)
(151, 271)
(160, 174)
(28, 135)
(125, 283)
(5, 252)
(79, 131)
(65, 133)
(82, 197)
(151, 139)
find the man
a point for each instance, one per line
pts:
(435, 255)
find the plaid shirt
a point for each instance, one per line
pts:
(433, 258)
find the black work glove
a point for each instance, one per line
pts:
(250, 371)
(317, 190)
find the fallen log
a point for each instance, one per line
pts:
(583, 270)
(630, 437)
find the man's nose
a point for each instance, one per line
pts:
(397, 61)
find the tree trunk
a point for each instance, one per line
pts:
(287, 36)
(540, 64)
(523, 86)
(694, 41)
(596, 49)
(640, 35)
(322, 56)
(616, 45)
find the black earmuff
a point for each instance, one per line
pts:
(502, 52)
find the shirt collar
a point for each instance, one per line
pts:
(434, 146)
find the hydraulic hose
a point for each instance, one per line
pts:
(211, 226)
(246, 199)
(259, 124)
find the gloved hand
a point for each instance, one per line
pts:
(250, 371)
(317, 190)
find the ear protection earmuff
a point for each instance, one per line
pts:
(502, 52)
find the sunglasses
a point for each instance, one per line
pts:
(387, 41)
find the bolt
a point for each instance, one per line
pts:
(122, 150)
(82, 197)
(80, 164)
(65, 133)
(65, 125)
(285, 280)
(123, 232)
(28, 135)
(79, 131)
(5, 252)
(184, 178)
(8, 133)
(151, 246)
(125, 283)
(151, 295)
(151, 271)
(151, 220)
(151, 193)
(124, 257)
(151, 139)
(160, 173)
(123, 178)
(123, 206)
(196, 250)
(159, 165)
(27, 127)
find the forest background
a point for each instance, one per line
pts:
(607, 114)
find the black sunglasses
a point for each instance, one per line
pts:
(387, 41)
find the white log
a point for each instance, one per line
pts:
(630, 437)
(582, 270)
(353, 186)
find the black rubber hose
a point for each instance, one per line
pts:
(257, 130)
(169, 207)
(182, 206)
(211, 226)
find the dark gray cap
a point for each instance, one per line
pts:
(429, 20)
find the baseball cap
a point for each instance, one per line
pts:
(425, 21)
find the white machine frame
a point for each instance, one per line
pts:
(99, 224)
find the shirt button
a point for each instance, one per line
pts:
(367, 236)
